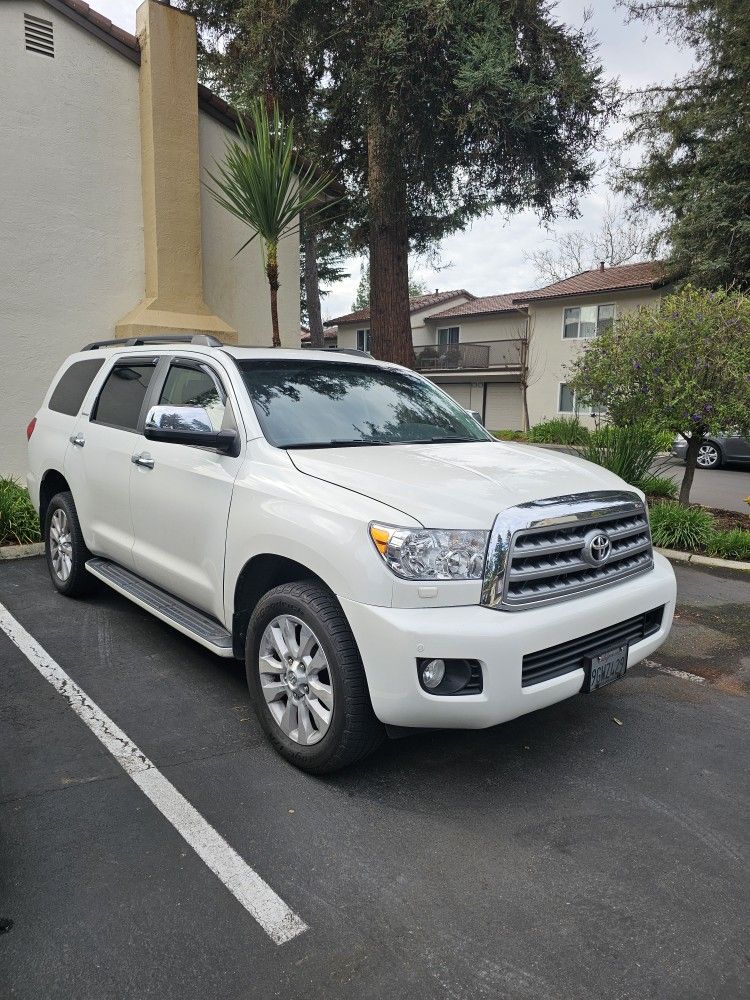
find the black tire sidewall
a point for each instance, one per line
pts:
(79, 582)
(329, 753)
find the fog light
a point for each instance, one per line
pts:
(432, 673)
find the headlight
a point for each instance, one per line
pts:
(431, 554)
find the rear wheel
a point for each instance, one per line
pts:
(306, 679)
(709, 456)
(65, 548)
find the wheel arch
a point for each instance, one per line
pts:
(259, 575)
(53, 482)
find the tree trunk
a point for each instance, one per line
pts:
(390, 325)
(272, 270)
(525, 383)
(312, 287)
(694, 443)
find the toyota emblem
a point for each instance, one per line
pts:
(597, 548)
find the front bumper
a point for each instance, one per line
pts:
(391, 639)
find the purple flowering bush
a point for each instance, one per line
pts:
(684, 366)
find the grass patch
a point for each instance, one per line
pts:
(685, 528)
(658, 487)
(733, 544)
(560, 430)
(510, 435)
(629, 451)
(19, 524)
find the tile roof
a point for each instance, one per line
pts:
(648, 274)
(486, 305)
(416, 304)
(329, 333)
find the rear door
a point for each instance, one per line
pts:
(98, 462)
(180, 499)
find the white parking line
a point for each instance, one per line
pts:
(274, 916)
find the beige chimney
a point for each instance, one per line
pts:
(170, 180)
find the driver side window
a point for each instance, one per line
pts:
(188, 386)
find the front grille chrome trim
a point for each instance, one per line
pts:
(537, 545)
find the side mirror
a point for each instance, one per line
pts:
(477, 416)
(189, 425)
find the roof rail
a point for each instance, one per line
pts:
(349, 350)
(202, 339)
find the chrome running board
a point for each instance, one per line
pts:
(185, 618)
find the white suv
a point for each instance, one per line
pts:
(378, 560)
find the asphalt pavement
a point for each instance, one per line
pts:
(594, 850)
(724, 488)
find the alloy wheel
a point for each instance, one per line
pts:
(61, 545)
(295, 679)
(708, 456)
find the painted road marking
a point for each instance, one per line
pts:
(683, 675)
(274, 916)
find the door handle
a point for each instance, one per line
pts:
(143, 459)
(77, 439)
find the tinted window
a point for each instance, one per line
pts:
(121, 398)
(73, 386)
(324, 404)
(187, 386)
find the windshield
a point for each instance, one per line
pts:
(325, 404)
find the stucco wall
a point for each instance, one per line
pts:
(421, 332)
(71, 246)
(71, 217)
(236, 287)
(549, 353)
(481, 328)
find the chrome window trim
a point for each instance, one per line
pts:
(544, 515)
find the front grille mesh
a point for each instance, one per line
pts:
(547, 564)
(568, 656)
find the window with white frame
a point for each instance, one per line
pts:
(363, 340)
(568, 402)
(447, 336)
(585, 322)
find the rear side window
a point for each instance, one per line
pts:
(122, 396)
(69, 392)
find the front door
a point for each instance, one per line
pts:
(180, 494)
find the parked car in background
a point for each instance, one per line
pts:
(716, 451)
(378, 560)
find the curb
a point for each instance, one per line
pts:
(21, 551)
(699, 560)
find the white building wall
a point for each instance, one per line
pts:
(550, 354)
(475, 329)
(71, 239)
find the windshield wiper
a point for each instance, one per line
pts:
(338, 443)
(440, 440)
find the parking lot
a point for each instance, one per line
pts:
(596, 849)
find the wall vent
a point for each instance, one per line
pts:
(38, 35)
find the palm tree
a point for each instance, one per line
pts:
(264, 184)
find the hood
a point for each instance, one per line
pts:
(455, 485)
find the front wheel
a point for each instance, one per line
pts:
(65, 548)
(709, 456)
(306, 679)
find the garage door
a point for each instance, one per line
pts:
(504, 407)
(461, 392)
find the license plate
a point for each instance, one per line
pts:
(605, 668)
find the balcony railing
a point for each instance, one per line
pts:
(473, 356)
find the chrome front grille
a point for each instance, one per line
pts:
(549, 550)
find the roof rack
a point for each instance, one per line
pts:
(349, 350)
(182, 338)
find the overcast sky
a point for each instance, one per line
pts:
(488, 258)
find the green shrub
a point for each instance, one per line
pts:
(628, 451)
(661, 487)
(18, 521)
(733, 544)
(676, 527)
(510, 435)
(560, 430)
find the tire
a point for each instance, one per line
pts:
(709, 456)
(67, 561)
(286, 700)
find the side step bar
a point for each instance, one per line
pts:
(185, 618)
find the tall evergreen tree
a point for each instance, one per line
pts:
(695, 173)
(434, 112)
